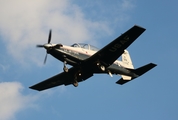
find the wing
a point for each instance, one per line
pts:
(114, 50)
(64, 78)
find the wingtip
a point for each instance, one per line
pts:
(138, 26)
(153, 64)
(32, 87)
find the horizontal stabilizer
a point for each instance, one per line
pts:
(139, 71)
(122, 81)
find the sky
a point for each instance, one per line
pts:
(24, 24)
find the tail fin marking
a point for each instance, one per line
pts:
(126, 60)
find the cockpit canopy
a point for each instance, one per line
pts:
(85, 46)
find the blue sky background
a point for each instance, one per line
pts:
(25, 24)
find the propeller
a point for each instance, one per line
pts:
(49, 38)
(46, 45)
(39, 45)
(45, 58)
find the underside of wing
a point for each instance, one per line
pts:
(64, 78)
(59, 79)
(115, 49)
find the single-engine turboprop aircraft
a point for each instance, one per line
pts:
(88, 60)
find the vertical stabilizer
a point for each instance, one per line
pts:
(126, 60)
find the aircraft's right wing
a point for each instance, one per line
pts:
(115, 49)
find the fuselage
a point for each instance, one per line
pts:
(75, 54)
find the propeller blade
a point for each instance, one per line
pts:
(45, 58)
(49, 38)
(39, 45)
(46, 45)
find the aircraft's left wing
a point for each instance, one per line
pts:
(115, 49)
(64, 78)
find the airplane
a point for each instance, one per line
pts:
(87, 60)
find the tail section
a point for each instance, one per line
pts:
(124, 77)
(138, 72)
(126, 60)
(127, 63)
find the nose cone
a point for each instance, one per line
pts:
(47, 46)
